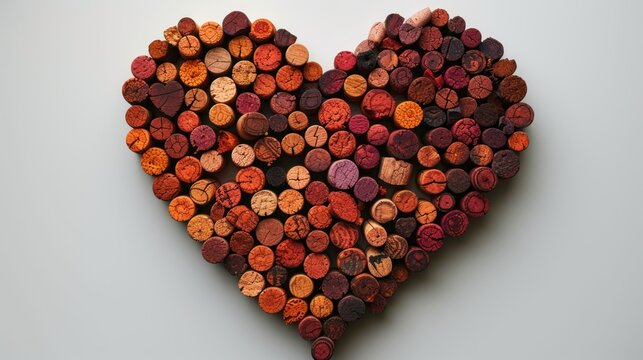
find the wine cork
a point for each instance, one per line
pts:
(396, 246)
(252, 125)
(321, 306)
(294, 311)
(395, 172)
(250, 179)
(264, 202)
(405, 226)
(296, 55)
(215, 249)
(202, 191)
(218, 61)
(374, 233)
(240, 47)
(241, 242)
(135, 91)
(189, 46)
(518, 141)
(428, 156)
(269, 231)
(334, 327)
(312, 71)
(235, 264)
(264, 86)
(351, 308)
(172, 35)
(343, 174)
(429, 237)
(316, 265)
(298, 177)
(309, 328)
(244, 73)
(188, 120)
(289, 78)
(403, 144)
(272, 300)
(367, 156)
(177, 146)
(406, 201)
(223, 90)
(247, 102)
(251, 283)
(506, 164)
(200, 227)
(143, 67)
(228, 194)
(161, 128)
(297, 121)
(379, 263)
(182, 208)
(335, 285)
(261, 258)
(217, 211)
(277, 275)
(296, 227)
(262, 30)
(211, 161)
(365, 287)
(166, 186)
(221, 115)
(344, 235)
(344, 207)
(290, 253)
(290, 201)
(188, 169)
(351, 261)
(383, 211)
(159, 50)
(316, 193)
(342, 144)
(408, 115)
(223, 228)
(416, 259)
(243, 218)
(267, 150)
(138, 140)
(210, 33)
(283, 103)
(187, 26)
(293, 144)
(316, 136)
(355, 87)
(242, 155)
(426, 212)
(317, 241)
(226, 141)
(377, 134)
(475, 204)
(154, 161)
(137, 116)
(378, 78)
(320, 217)
(444, 202)
(334, 113)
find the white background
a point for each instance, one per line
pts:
(92, 267)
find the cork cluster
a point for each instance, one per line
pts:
(345, 181)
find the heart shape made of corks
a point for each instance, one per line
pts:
(323, 191)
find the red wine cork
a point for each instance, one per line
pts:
(334, 327)
(341, 144)
(137, 116)
(159, 50)
(367, 156)
(251, 179)
(322, 348)
(135, 91)
(332, 81)
(138, 140)
(344, 235)
(400, 79)
(351, 261)
(247, 102)
(483, 179)
(262, 30)
(235, 264)
(277, 276)
(310, 100)
(365, 287)
(520, 115)
(344, 207)
(166, 186)
(309, 328)
(403, 144)
(317, 241)
(377, 135)
(289, 78)
(366, 189)
(335, 285)
(518, 141)
(466, 131)
(320, 217)
(456, 154)
(405, 200)
(396, 246)
(290, 254)
(475, 204)
(428, 156)
(429, 237)
(241, 242)
(261, 258)
(215, 249)
(416, 259)
(316, 265)
(296, 227)
(345, 61)
(143, 67)
(454, 223)
(405, 226)
(294, 311)
(506, 164)
(316, 193)
(432, 181)
(351, 308)
(293, 144)
(264, 86)
(312, 71)
(378, 78)
(378, 105)
(334, 113)
(409, 34)
(410, 59)
(317, 160)
(283, 103)
(272, 300)
(343, 174)
(269, 232)
(444, 202)
(236, 23)
(267, 150)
